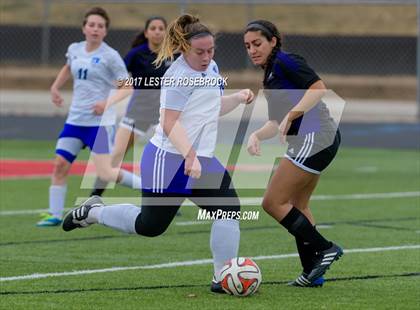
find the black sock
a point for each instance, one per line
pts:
(306, 255)
(299, 226)
(99, 187)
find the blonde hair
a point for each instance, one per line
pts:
(178, 35)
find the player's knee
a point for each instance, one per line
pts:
(149, 231)
(146, 229)
(270, 204)
(267, 205)
(61, 168)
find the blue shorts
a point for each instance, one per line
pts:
(163, 173)
(74, 138)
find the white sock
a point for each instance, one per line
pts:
(130, 179)
(121, 217)
(224, 243)
(57, 198)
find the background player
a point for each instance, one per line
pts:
(95, 68)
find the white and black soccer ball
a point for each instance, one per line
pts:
(241, 276)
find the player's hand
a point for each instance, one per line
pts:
(245, 96)
(56, 97)
(192, 166)
(284, 128)
(99, 107)
(253, 146)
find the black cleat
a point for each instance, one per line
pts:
(216, 287)
(323, 261)
(77, 218)
(302, 281)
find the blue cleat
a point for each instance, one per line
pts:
(49, 220)
(302, 281)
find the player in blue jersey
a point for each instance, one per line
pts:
(142, 114)
(96, 68)
(293, 92)
(179, 163)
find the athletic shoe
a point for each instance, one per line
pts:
(216, 287)
(302, 281)
(49, 220)
(77, 218)
(323, 261)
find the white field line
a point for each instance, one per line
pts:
(248, 201)
(192, 223)
(188, 263)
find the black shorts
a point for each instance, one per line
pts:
(314, 151)
(142, 128)
(142, 114)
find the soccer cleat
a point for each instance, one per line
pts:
(302, 281)
(323, 261)
(77, 218)
(216, 287)
(49, 220)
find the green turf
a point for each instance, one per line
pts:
(366, 223)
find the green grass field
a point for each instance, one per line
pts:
(365, 278)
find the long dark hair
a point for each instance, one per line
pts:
(269, 31)
(141, 38)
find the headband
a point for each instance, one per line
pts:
(197, 34)
(259, 27)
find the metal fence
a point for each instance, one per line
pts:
(44, 37)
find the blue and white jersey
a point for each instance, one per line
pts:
(199, 104)
(94, 75)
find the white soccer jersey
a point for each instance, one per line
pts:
(94, 74)
(200, 105)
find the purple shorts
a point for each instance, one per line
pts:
(163, 172)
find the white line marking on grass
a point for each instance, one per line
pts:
(324, 226)
(191, 223)
(188, 263)
(367, 169)
(249, 201)
(22, 212)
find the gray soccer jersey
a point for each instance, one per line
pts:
(94, 75)
(199, 104)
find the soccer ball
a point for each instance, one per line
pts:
(241, 276)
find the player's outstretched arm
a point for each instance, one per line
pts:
(269, 130)
(229, 103)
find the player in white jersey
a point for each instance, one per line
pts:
(95, 68)
(179, 163)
